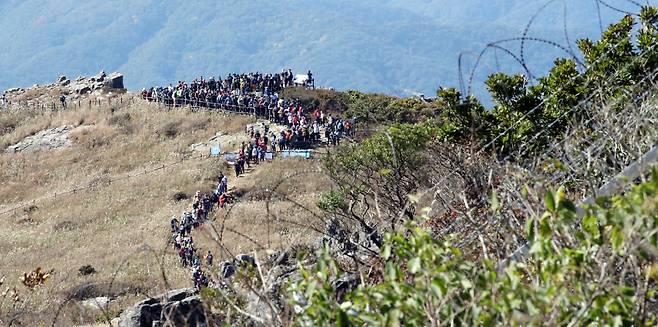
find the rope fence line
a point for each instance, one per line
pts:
(69, 104)
(132, 99)
(94, 184)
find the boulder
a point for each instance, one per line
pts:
(226, 269)
(82, 89)
(115, 81)
(187, 312)
(65, 82)
(174, 308)
(97, 303)
(61, 79)
(49, 139)
(179, 295)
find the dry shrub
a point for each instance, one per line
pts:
(66, 225)
(93, 137)
(8, 124)
(123, 122)
(179, 196)
(196, 124)
(170, 129)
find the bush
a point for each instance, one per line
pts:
(86, 270)
(604, 273)
(180, 196)
(170, 129)
(122, 121)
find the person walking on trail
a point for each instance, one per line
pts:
(222, 200)
(237, 168)
(316, 131)
(225, 184)
(309, 81)
(209, 258)
(174, 224)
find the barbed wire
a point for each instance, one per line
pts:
(545, 153)
(520, 58)
(481, 149)
(607, 5)
(618, 131)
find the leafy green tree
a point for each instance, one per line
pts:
(514, 112)
(461, 119)
(375, 177)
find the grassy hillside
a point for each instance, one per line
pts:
(121, 228)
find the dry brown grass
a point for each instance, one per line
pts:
(121, 228)
(275, 209)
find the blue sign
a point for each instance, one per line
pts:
(306, 154)
(214, 151)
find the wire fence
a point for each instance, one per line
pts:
(69, 104)
(106, 181)
(596, 153)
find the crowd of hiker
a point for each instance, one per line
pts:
(297, 129)
(181, 232)
(258, 94)
(254, 93)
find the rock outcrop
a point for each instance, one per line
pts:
(73, 89)
(175, 308)
(115, 81)
(47, 139)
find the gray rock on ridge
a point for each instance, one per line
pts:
(226, 269)
(97, 303)
(81, 88)
(48, 139)
(115, 81)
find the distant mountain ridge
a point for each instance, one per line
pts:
(389, 46)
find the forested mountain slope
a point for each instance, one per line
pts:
(385, 46)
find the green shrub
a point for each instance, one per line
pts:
(603, 274)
